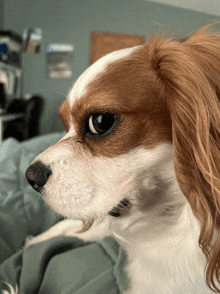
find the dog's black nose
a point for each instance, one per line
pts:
(37, 175)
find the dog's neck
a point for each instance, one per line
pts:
(161, 241)
(158, 207)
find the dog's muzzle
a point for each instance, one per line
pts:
(37, 175)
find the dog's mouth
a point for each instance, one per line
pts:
(123, 208)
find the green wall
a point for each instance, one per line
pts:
(71, 21)
(1, 14)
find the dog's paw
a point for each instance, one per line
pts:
(29, 241)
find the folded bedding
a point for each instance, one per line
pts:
(61, 264)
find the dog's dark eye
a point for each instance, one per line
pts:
(100, 123)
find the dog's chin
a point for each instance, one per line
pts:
(86, 214)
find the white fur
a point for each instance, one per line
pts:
(11, 289)
(160, 233)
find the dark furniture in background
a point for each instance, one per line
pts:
(27, 126)
(2, 97)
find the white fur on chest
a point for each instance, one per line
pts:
(166, 259)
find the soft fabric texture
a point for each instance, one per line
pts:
(59, 265)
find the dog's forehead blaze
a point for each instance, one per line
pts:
(90, 74)
(128, 87)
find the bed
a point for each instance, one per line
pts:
(64, 265)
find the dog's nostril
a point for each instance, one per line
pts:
(37, 175)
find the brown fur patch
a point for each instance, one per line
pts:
(128, 88)
(64, 113)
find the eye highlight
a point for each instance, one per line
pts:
(100, 123)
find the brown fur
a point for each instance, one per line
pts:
(64, 113)
(190, 75)
(127, 88)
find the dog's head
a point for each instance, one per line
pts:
(126, 118)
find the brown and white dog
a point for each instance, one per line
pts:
(140, 161)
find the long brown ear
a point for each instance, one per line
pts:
(190, 76)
